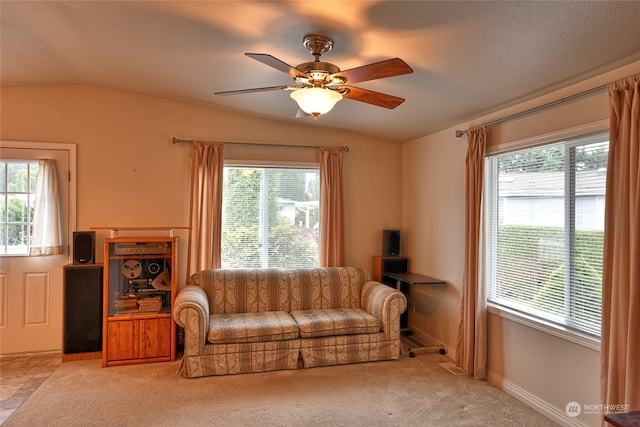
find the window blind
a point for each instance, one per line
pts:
(545, 231)
(270, 217)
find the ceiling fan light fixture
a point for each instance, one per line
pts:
(316, 100)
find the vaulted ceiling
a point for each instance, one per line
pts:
(469, 57)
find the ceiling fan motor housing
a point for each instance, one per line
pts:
(318, 67)
(320, 73)
(317, 45)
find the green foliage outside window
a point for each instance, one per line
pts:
(539, 253)
(551, 159)
(587, 287)
(17, 189)
(289, 244)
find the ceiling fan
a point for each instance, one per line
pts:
(319, 85)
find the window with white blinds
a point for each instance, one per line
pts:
(270, 217)
(544, 215)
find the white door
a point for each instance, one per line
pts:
(31, 304)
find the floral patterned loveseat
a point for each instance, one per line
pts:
(255, 320)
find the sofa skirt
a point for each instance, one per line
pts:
(224, 359)
(343, 349)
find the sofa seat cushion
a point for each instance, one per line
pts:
(251, 327)
(339, 321)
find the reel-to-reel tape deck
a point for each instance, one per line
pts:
(147, 275)
(140, 275)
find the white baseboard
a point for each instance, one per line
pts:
(540, 405)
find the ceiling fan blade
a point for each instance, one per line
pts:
(274, 62)
(257, 89)
(377, 70)
(371, 97)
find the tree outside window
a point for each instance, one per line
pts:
(17, 202)
(270, 217)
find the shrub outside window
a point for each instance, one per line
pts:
(544, 216)
(270, 217)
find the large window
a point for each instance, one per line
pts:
(270, 217)
(545, 228)
(17, 202)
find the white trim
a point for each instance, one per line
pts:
(551, 137)
(583, 130)
(548, 328)
(35, 145)
(290, 164)
(533, 401)
(73, 181)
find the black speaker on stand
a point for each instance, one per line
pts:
(84, 247)
(391, 244)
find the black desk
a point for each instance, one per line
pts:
(409, 279)
(414, 279)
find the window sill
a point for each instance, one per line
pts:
(548, 328)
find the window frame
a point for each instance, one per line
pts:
(262, 164)
(568, 331)
(29, 193)
(70, 153)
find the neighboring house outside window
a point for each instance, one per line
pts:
(270, 217)
(544, 215)
(17, 202)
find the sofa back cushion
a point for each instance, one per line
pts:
(272, 289)
(244, 290)
(329, 287)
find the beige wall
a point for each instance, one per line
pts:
(433, 190)
(130, 174)
(540, 368)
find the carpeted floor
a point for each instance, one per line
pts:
(408, 392)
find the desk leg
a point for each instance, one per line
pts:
(407, 332)
(421, 347)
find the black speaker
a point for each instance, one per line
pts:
(82, 318)
(84, 247)
(391, 243)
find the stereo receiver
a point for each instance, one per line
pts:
(141, 248)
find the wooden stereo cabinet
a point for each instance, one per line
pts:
(138, 295)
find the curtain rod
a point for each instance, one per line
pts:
(461, 133)
(175, 140)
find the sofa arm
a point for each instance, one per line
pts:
(386, 304)
(191, 311)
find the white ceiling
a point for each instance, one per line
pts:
(469, 58)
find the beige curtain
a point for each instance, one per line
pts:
(620, 341)
(472, 329)
(331, 208)
(46, 236)
(205, 217)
